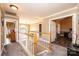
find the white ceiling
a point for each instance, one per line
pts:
(32, 12)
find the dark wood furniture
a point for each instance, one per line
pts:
(72, 51)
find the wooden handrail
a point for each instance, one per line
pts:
(35, 37)
(48, 33)
(26, 34)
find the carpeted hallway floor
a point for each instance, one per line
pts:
(14, 49)
(57, 51)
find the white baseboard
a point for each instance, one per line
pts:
(42, 52)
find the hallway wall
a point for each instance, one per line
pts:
(66, 24)
(35, 27)
(45, 28)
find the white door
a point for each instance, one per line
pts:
(53, 30)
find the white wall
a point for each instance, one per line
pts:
(77, 30)
(53, 31)
(45, 28)
(64, 13)
(34, 27)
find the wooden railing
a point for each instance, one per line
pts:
(35, 40)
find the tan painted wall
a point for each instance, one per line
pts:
(66, 24)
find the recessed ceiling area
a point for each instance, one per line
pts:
(33, 12)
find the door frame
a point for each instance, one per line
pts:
(74, 26)
(11, 19)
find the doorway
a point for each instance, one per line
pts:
(40, 29)
(63, 29)
(11, 31)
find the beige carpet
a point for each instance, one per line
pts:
(57, 51)
(14, 49)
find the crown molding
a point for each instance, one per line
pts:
(74, 8)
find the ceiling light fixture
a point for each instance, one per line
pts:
(14, 7)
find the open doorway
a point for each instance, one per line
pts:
(63, 29)
(40, 29)
(11, 31)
